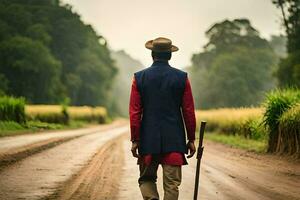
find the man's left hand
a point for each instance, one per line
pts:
(134, 149)
(192, 149)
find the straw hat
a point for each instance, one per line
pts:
(161, 44)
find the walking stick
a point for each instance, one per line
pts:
(199, 156)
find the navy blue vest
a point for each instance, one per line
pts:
(161, 88)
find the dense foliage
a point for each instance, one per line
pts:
(12, 109)
(277, 103)
(289, 69)
(235, 68)
(48, 54)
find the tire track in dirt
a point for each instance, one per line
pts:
(16, 148)
(39, 175)
(19, 154)
(98, 180)
(226, 174)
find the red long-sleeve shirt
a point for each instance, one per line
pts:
(188, 111)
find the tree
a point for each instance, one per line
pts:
(235, 68)
(278, 43)
(226, 35)
(30, 70)
(289, 69)
(48, 53)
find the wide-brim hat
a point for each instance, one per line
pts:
(161, 44)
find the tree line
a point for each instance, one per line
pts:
(237, 66)
(48, 55)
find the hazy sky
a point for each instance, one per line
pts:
(128, 24)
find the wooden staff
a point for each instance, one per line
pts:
(199, 156)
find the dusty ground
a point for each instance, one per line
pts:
(13, 149)
(99, 166)
(41, 174)
(226, 173)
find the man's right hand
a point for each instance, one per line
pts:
(134, 149)
(192, 149)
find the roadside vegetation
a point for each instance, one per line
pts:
(18, 118)
(237, 127)
(239, 68)
(274, 128)
(258, 146)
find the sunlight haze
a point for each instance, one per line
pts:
(129, 24)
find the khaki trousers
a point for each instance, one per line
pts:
(148, 177)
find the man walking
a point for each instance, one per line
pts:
(161, 103)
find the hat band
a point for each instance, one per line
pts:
(162, 48)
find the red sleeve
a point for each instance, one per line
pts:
(135, 112)
(188, 111)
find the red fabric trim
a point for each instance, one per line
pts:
(135, 111)
(173, 158)
(188, 111)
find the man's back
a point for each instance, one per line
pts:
(161, 88)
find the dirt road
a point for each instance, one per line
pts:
(98, 165)
(39, 175)
(226, 173)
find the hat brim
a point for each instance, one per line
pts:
(149, 45)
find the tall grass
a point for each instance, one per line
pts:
(47, 113)
(277, 102)
(289, 132)
(62, 114)
(12, 109)
(237, 121)
(87, 113)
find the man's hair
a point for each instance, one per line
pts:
(161, 55)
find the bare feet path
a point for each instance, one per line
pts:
(99, 166)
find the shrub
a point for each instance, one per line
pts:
(277, 102)
(289, 132)
(12, 109)
(253, 128)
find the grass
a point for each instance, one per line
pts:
(12, 109)
(52, 117)
(227, 115)
(238, 141)
(55, 113)
(238, 127)
(87, 113)
(10, 128)
(228, 120)
(277, 103)
(289, 132)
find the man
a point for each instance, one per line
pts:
(161, 98)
